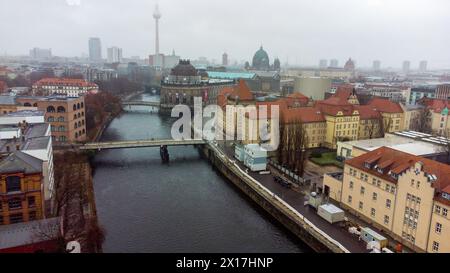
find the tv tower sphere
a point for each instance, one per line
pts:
(156, 13)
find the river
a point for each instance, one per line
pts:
(145, 206)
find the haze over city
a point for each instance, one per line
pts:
(297, 32)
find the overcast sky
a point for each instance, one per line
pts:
(297, 31)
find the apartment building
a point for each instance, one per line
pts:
(66, 115)
(26, 131)
(404, 195)
(61, 86)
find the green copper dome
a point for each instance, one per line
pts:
(261, 60)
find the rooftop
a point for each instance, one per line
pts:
(398, 142)
(26, 233)
(230, 75)
(19, 161)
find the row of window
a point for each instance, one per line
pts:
(375, 181)
(344, 126)
(440, 210)
(62, 109)
(80, 133)
(16, 203)
(372, 210)
(79, 124)
(18, 217)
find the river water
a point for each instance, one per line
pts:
(185, 206)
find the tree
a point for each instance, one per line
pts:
(445, 145)
(293, 144)
(385, 125)
(421, 122)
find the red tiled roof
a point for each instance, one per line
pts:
(333, 105)
(241, 91)
(367, 112)
(436, 105)
(385, 105)
(303, 115)
(296, 100)
(66, 82)
(396, 161)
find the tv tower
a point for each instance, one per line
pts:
(156, 16)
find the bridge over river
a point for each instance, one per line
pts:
(139, 143)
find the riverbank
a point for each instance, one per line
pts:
(278, 208)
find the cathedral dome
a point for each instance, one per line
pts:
(349, 65)
(261, 60)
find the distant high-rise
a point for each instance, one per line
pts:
(323, 63)
(40, 53)
(423, 66)
(114, 55)
(95, 49)
(334, 63)
(376, 65)
(224, 59)
(405, 66)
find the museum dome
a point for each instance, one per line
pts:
(184, 68)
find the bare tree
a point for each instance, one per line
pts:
(445, 145)
(385, 125)
(421, 122)
(293, 146)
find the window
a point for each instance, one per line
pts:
(435, 246)
(392, 189)
(51, 109)
(1, 219)
(31, 201)
(388, 203)
(50, 119)
(418, 184)
(388, 187)
(372, 212)
(61, 109)
(15, 203)
(361, 205)
(378, 183)
(362, 190)
(412, 182)
(12, 183)
(374, 196)
(349, 200)
(386, 220)
(32, 216)
(15, 218)
(438, 228)
(351, 185)
(61, 119)
(437, 209)
(444, 212)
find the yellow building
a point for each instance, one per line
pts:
(402, 194)
(21, 189)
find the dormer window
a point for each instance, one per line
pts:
(379, 170)
(367, 165)
(445, 195)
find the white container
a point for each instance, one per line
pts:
(255, 157)
(331, 213)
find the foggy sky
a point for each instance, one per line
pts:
(297, 31)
